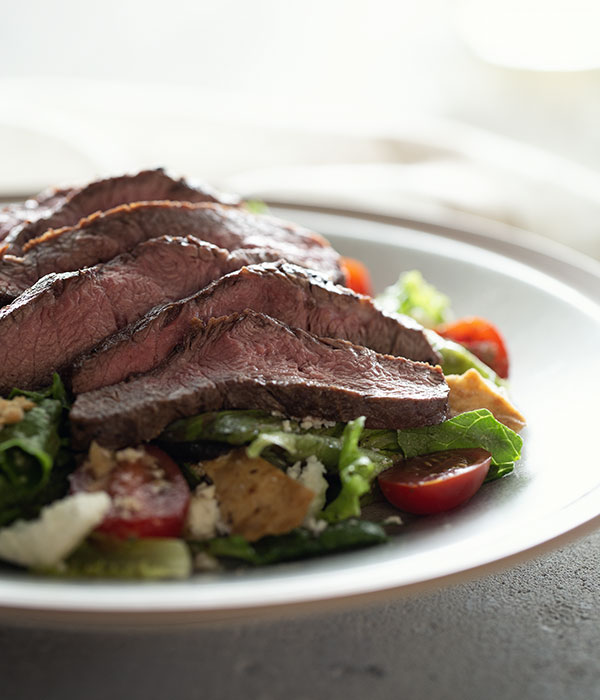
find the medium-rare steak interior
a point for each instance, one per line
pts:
(67, 207)
(250, 360)
(104, 235)
(65, 314)
(294, 295)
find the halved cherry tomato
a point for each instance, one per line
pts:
(435, 482)
(358, 277)
(150, 497)
(482, 338)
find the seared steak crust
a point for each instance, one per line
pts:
(293, 295)
(249, 360)
(65, 314)
(104, 235)
(74, 204)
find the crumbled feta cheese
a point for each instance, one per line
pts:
(311, 475)
(132, 454)
(101, 461)
(13, 410)
(295, 470)
(204, 516)
(59, 529)
(315, 525)
(127, 505)
(392, 520)
(310, 422)
(287, 426)
(203, 561)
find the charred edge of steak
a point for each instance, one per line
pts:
(291, 294)
(103, 235)
(249, 360)
(108, 193)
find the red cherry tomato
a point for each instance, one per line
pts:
(357, 276)
(435, 482)
(150, 497)
(482, 338)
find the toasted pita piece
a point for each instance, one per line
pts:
(256, 498)
(470, 391)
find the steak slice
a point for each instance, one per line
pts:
(79, 202)
(65, 314)
(294, 295)
(104, 235)
(250, 360)
(31, 209)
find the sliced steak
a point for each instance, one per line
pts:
(104, 235)
(294, 295)
(31, 209)
(65, 314)
(249, 360)
(106, 194)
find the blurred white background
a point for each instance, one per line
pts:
(477, 108)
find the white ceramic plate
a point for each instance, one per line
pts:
(547, 302)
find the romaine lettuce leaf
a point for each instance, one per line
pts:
(299, 446)
(355, 466)
(326, 448)
(106, 557)
(476, 428)
(356, 471)
(233, 427)
(29, 450)
(385, 440)
(298, 544)
(497, 471)
(413, 296)
(55, 391)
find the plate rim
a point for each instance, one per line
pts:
(580, 270)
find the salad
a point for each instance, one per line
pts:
(233, 488)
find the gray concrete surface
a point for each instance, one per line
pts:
(529, 633)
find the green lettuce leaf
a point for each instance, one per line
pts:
(232, 427)
(355, 466)
(105, 557)
(497, 471)
(29, 451)
(413, 296)
(356, 471)
(326, 448)
(472, 429)
(298, 446)
(385, 440)
(55, 391)
(298, 544)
